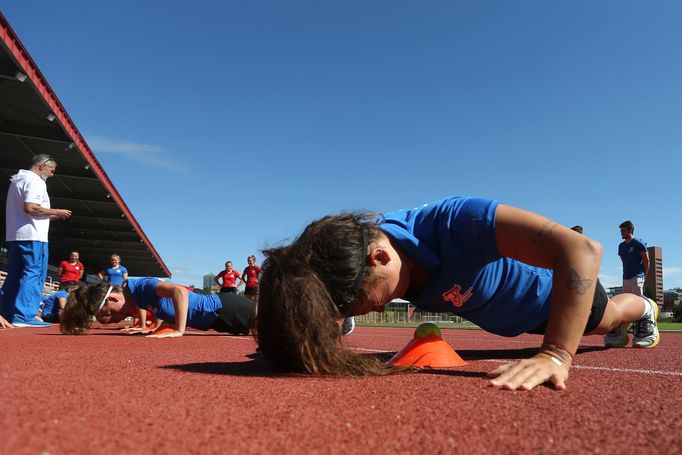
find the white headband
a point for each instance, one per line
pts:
(104, 300)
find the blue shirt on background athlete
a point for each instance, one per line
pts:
(454, 240)
(115, 275)
(631, 255)
(49, 306)
(201, 312)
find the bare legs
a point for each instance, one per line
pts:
(621, 309)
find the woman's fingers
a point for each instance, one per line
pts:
(529, 373)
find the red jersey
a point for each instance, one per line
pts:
(251, 275)
(70, 272)
(229, 278)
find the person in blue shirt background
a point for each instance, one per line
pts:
(635, 259)
(54, 304)
(169, 302)
(116, 274)
(508, 270)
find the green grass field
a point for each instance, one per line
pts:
(663, 326)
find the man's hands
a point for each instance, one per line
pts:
(60, 214)
(34, 209)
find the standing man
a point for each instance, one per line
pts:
(27, 219)
(635, 259)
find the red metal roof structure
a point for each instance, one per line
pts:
(34, 121)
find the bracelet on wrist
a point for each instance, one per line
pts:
(562, 354)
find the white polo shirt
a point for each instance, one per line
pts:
(26, 186)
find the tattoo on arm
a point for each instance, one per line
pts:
(575, 282)
(547, 229)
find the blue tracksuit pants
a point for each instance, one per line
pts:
(22, 291)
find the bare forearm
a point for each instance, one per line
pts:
(572, 295)
(142, 315)
(38, 210)
(181, 307)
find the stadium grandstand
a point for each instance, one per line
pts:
(34, 121)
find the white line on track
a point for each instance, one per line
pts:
(578, 367)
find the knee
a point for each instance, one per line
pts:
(613, 317)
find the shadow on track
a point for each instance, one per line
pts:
(257, 366)
(513, 354)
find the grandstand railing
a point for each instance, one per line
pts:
(403, 313)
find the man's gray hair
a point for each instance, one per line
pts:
(41, 159)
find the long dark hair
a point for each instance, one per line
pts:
(81, 306)
(306, 288)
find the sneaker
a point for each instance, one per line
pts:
(617, 338)
(348, 326)
(30, 323)
(646, 329)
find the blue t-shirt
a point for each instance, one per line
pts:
(454, 240)
(631, 255)
(50, 305)
(115, 275)
(202, 308)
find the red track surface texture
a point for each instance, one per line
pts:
(206, 393)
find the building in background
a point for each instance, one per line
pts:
(654, 279)
(208, 282)
(671, 297)
(614, 291)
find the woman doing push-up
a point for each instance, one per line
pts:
(508, 270)
(169, 302)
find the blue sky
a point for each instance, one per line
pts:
(228, 126)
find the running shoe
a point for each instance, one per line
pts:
(348, 326)
(34, 323)
(617, 338)
(646, 329)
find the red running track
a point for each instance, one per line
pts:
(208, 393)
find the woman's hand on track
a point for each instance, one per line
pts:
(4, 323)
(173, 334)
(528, 373)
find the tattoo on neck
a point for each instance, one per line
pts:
(547, 229)
(577, 283)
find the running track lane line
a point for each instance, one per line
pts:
(578, 367)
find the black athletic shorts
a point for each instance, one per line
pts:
(596, 313)
(251, 290)
(236, 316)
(228, 290)
(52, 318)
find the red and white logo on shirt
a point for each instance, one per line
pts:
(456, 297)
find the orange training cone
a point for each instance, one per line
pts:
(427, 350)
